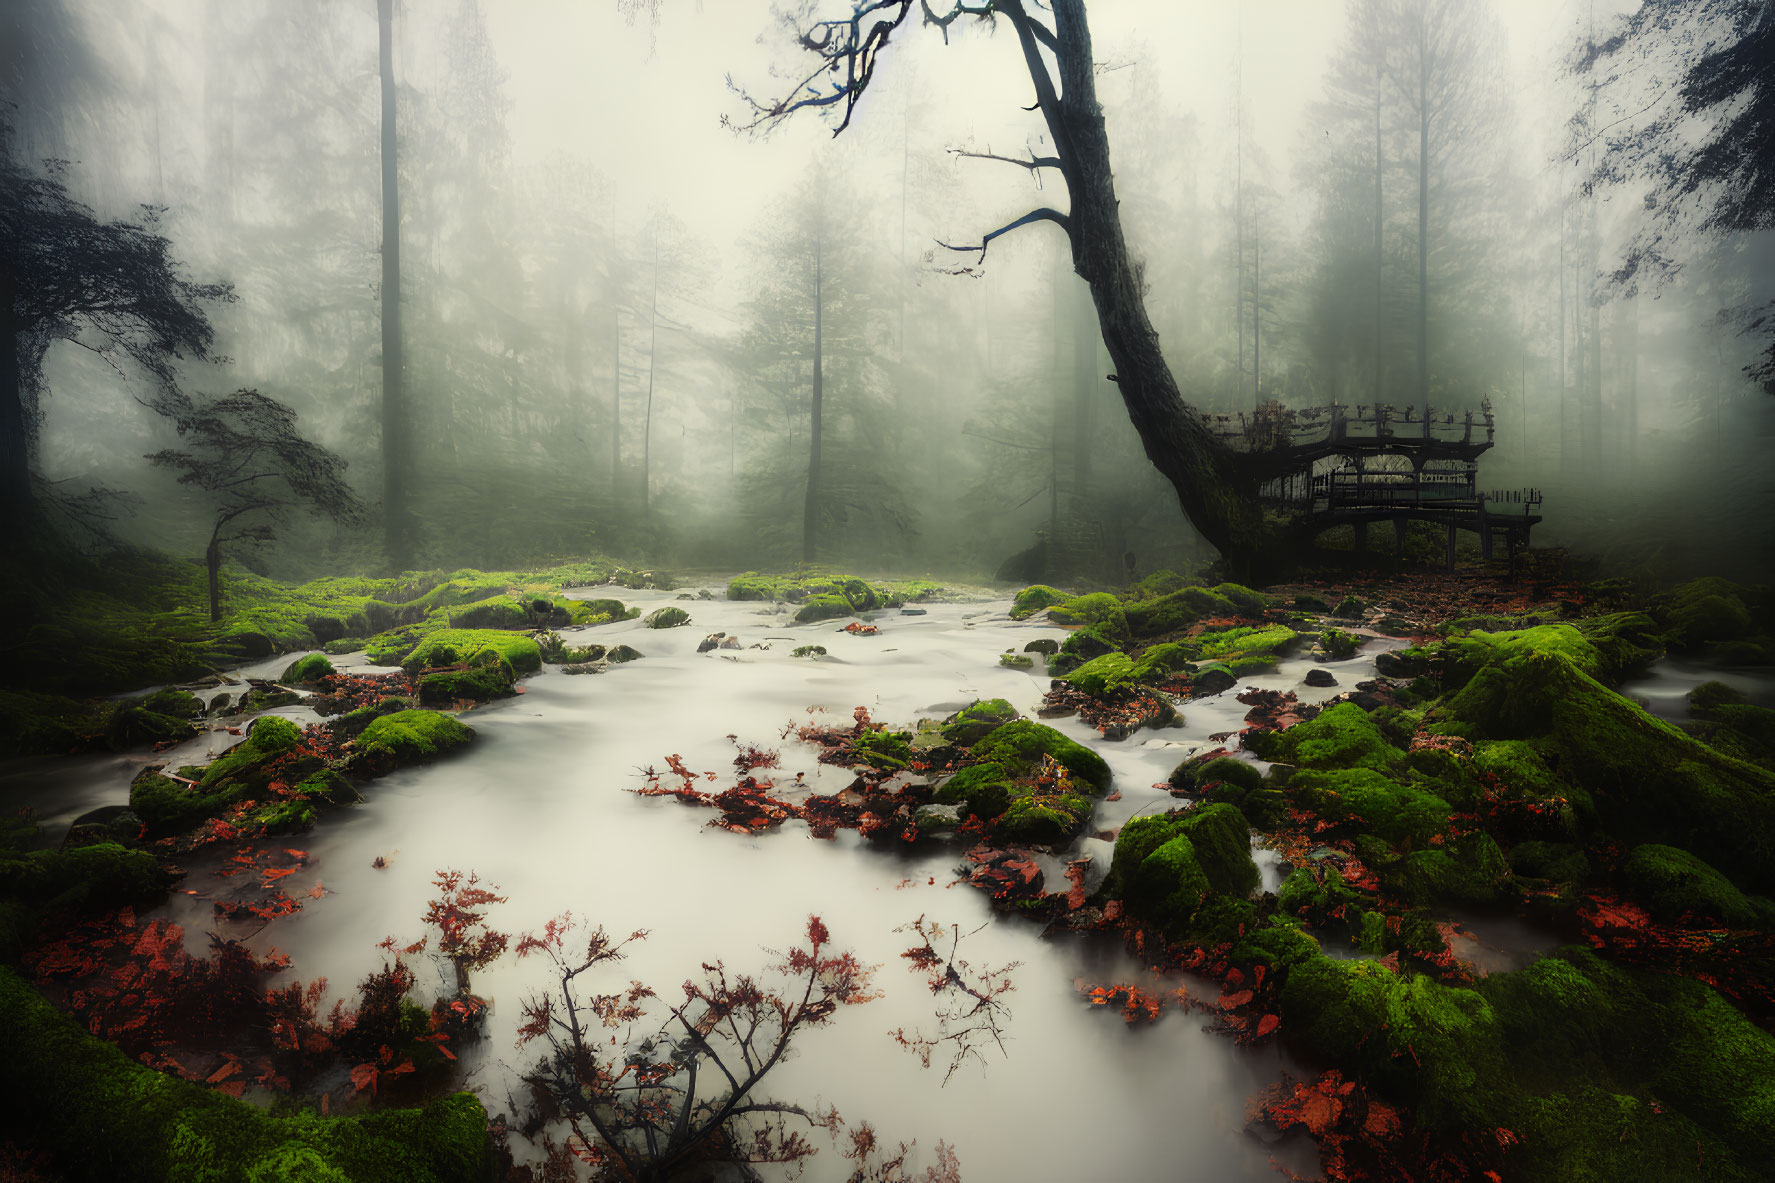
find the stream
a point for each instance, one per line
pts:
(540, 805)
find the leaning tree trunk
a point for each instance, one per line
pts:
(1216, 488)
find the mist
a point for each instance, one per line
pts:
(606, 295)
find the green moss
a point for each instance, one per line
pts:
(165, 805)
(1321, 895)
(522, 652)
(268, 737)
(1098, 608)
(1344, 736)
(102, 1116)
(1470, 870)
(809, 651)
(888, 750)
(1165, 866)
(1263, 645)
(1033, 599)
(1673, 883)
(1350, 608)
(353, 722)
(93, 878)
(1163, 662)
(328, 786)
(669, 617)
(1338, 644)
(180, 704)
(984, 788)
(1042, 820)
(1102, 676)
(1016, 661)
(410, 737)
(1020, 745)
(1159, 583)
(1176, 611)
(1650, 781)
(132, 727)
(823, 607)
(1080, 646)
(312, 668)
(1228, 770)
(1363, 798)
(495, 612)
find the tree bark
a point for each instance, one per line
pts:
(396, 527)
(1216, 488)
(212, 563)
(15, 429)
(810, 511)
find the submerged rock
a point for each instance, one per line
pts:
(1319, 677)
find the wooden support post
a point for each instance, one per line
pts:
(1451, 546)
(1484, 531)
(1399, 528)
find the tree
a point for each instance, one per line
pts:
(397, 530)
(248, 457)
(109, 287)
(688, 1092)
(1703, 143)
(1216, 487)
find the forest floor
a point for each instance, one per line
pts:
(1491, 767)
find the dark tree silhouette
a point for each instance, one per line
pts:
(689, 1093)
(109, 287)
(1705, 140)
(249, 457)
(1216, 486)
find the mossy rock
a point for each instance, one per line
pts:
(1046, 646)
(1227, 770)
(521, 651)
(1365, 799)
(1103, 676)
(1471, 870)
(354, 721)
(1350, 608)
(1247, 649)
(1344, 736)
(1020, 745)
(1559, 862)
(1674, 884)
(284, 817)
(1016, 661)
(180, 704)
(1710, 695)
(667, 617)
(328, 786)
(1650, 781)
(1079, 647)
(88, 879)
(885, 750)
(808, 651)
(1166, 865)
(1047, 819)
(1338, 645)
(1176, 611)
(132, 727)
(1033, 599)
(269, 736)
(496, 612)
(973, 722)
(165, 804)
(1163, 663)
(489, 675)
(311, 668)
(1322, 896)
(823, 607)
(985, 790)
(1098, 608)
(619, 654)
(408, 737)
(100, 1115)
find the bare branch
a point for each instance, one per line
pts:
(1045, 214)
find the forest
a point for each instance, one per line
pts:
(1119, 589)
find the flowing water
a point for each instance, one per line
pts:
(1664, 687)
(540, 805)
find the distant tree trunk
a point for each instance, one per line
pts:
(1216, 488)
(1379, 222)
(1564, 454)
(1424, 213)
(1629, 339)
(616, 489)
(212, 563)
(810, 511)
(397, 529)
(15, 429)
(652, 352)
(1257, 316)
(1239, 228)
(1057, 418)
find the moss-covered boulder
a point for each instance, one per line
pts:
(1033, 599)
(1079, 647)
(1020, 745)
(823, 607)
(1042, 819)
(180, 704)
(1177, 611)
(973, 722)
(1345, 736)
(453, 646)
(90, 878)
(1675, 885)
(889, 751)
(667, 617)
(307, 670)
(133, 726)
(488, 675)
(1103, 676)
(408, 737)
(1364, 800)
(1167, 865)
(983, 789)
(1098, 608)
(1651, 782)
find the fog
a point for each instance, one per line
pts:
(607, 296)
